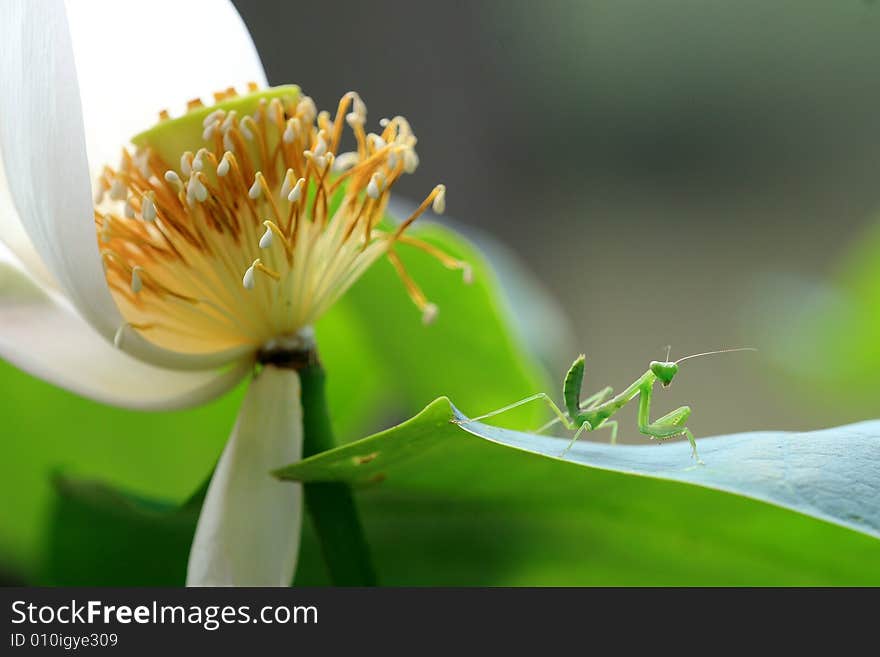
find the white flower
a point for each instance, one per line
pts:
(214, 244)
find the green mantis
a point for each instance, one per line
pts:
(595, 411)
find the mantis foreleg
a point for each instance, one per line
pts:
(668, 426)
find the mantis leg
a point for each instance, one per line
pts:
(560, 416)
(577, 434)
(607, 424)
(590, 402)
(668, 426)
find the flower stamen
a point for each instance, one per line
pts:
(258, 190)
(436, 199)
(441, 256)
(429, 310)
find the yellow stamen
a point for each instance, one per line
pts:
(437, 192)
(254, 192)
(259, 266)
(444, 258)
(412, 288)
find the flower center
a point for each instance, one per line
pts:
(242, 223)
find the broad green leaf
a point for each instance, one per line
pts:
(104, 536)
(600, 524)
(153, 537)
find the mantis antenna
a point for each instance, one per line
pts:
(668, 351)
(709, 353)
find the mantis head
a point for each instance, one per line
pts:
(664, 371)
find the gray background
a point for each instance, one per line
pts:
(652, 163)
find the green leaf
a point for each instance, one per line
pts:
(577, 525)
(92, 518)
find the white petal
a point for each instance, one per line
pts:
(249, 527)
(42, 335)
(14, 237)
(134, 59)
(43, 150)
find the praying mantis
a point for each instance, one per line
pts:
(595, 411)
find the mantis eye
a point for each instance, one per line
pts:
(664, 372)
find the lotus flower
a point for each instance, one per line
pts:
(162, 279)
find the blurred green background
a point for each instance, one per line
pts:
(653, 164)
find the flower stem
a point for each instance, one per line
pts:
(331, 505)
